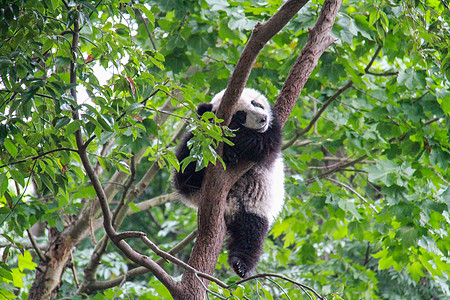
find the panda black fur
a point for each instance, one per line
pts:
(257, 197)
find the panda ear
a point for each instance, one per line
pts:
(204, 107)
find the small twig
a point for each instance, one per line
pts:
(208, 290)
(264, 275)
(125, 190)
(280, 287)
(439, 175)
(23, 246)
(36, 247)
(355, 192)
(366, 261)
(138, 11)
(74, 271)
(334, 170)
(382, 74)
(431, 121)
(324, 107)
(91, 223)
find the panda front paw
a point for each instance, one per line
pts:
(204, 107)
(239, 267)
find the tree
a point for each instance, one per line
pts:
(366, 146)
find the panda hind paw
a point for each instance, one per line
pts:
(239, 267)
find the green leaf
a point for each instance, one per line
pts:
(26, 261)
(239, 292)
(416, 271)
(172, 159)
(61, 122)
(71, 128)
(124, 167)
(10, 147)
(17, 176)
(133, 207)
(5, 271)
(17, 278)
(408, 235)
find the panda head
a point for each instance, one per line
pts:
(253, 111)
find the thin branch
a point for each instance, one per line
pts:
(91, 221)
(336, 169)
(134, 256)
(140, 259)
(37, 156)
(431, 121)
(125, 190)
(208, 290)
(319, 40)
(439, 175)
(145, 205)
(280, 287)
(21, 246)
(92, 286)
(337, 162)
(74, 271)
(382, 74)
(35, 246)
(138, 12)
(372, 60)
(264, 275)
(320, 112)
(354, 192)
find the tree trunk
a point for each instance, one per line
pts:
(49, 272)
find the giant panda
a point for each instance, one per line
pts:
(257, 197)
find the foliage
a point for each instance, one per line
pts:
(368, 193)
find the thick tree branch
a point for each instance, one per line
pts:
(318, 41)
(260, 36)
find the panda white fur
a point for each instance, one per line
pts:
(257, 197)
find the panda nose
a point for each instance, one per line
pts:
(263, 119)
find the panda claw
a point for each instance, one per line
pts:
(239, 267)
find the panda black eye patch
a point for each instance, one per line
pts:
(256, 104)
